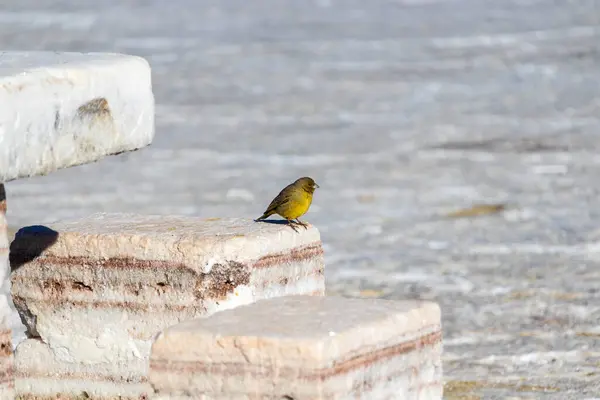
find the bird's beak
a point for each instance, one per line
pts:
(316, 185)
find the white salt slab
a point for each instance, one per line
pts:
(303, 347)
(64, 109)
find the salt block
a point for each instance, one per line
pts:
(96, 291)
(302, 347)
(40, 374)
(65, 109)
(7, 312)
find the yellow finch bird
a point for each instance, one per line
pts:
(293, 202)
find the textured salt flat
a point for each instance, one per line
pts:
(401, 110)
(98, 290)
(65, 109)
(304, 347)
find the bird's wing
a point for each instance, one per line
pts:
(282, 198)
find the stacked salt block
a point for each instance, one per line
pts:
(302, 347)
(6, 356)
(95, 292)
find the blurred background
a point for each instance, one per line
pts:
(407, 113)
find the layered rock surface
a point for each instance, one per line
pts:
(96, 291)
(302, 347)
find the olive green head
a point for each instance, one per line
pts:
(307, 184)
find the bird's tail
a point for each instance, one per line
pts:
(265, 215)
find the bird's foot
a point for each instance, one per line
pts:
(302, 224)
(292, 224)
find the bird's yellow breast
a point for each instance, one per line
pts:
(297, 205)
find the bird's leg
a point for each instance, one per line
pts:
(292, 224)
(302, 224)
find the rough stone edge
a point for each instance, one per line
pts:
(192, 249)
(241, 276)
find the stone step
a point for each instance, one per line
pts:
(98, 290)
(302, 347)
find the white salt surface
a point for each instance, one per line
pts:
(65, 109)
